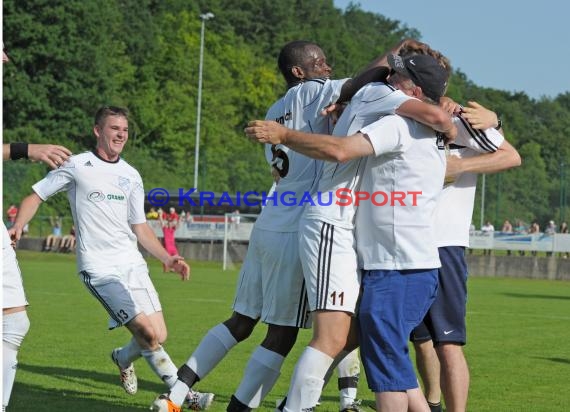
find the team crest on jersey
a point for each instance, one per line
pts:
(96, 196)
(124, 183)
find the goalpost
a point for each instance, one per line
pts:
(237, 230)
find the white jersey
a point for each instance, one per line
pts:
(105, 198)
(298, 109)
(371, 102)
(404, 177)
(455, 207)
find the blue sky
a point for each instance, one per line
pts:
(506, 45)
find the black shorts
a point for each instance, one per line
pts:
(445, 320)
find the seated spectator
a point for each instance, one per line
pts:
(534, 229)
(68, 241)
(487, 229)
(550, 231)
(11, 214)
(507, 227)
(152, 214)
(564, 231)
(53, 240)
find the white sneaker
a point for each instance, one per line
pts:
(128, 376)
(198, 401)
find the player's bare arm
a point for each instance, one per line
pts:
(27, 211)
(150, 242)
(317, 146)
(430, 115)
(506, 157)
(52, 155)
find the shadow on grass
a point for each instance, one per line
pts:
(536, 296)
(557, 360)
(28, 397)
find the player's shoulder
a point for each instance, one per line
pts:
(375, 91)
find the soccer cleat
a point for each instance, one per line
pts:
(128, 376)
(164, 404)
(353, 407)
(198, 401)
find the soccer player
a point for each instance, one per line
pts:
(483, 150)
(327, 241)
(270, 285)
(15, 321)
(394, 242)
(107, 202)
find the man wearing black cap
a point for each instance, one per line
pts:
(395, 242)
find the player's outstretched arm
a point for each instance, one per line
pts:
(27, 211)
(317, 146)
(52, 155)
(148, 240)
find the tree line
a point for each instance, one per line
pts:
(68, 57)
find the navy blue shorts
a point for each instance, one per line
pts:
(445, 320)
(393, 303)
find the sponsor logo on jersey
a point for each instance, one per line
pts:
(96, 196)
(112, 196)
(288, 116)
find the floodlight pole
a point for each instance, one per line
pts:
(203, 17)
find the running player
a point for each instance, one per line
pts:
(270, 285)
(107, 202)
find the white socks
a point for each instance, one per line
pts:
(307, 381)
(261, 373)
(15, 326)
(129, 353)
(162, 365)
(211, 350)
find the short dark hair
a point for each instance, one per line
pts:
(293, 54)
(107, 111)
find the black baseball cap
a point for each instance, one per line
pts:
(424, 71)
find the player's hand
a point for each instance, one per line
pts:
(453, 168)
(451, 134)
(266, 131)
(449, 106)
(52, 155)
(333, 110)
(479, 116)
(15, 233)
(178, 265)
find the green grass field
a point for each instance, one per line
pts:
(518, 347)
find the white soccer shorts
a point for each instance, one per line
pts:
(329, 260)
(270, 284)
(124, 291)
(13, 295)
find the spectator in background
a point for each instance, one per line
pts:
(11, 214)
(172, 215)
(550, 231)
(53, 240)
(564, 231)
(152, 214)
(189, 219)
(507, 228)
(520, 229)
(534, 229)
(68, 241)
(487, 229)
(169, 240)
